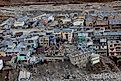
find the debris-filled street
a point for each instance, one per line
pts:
(72, 42)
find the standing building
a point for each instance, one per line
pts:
(115, 24)
(114, 48)
(100, 41)
(33, 41)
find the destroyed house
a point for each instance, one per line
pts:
(80, 58)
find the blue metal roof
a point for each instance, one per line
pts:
(57, 30)
(9, 22)
(21, 19)
(114, 21)
(112, 33)
(67, 30)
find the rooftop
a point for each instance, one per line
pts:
(114, 21)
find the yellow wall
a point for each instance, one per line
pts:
(2, 54)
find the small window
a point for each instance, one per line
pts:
(111, 41)
(115, 44)
(111, 45)
(102, 46)
(30, 41)
(23, 49)
(117, 41)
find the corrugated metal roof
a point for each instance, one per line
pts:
(67, 30)
(9, 22)
(112, 33)
(114, 21)
(12, 50)
(89, 18)
(22, 19)
(57, 30)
